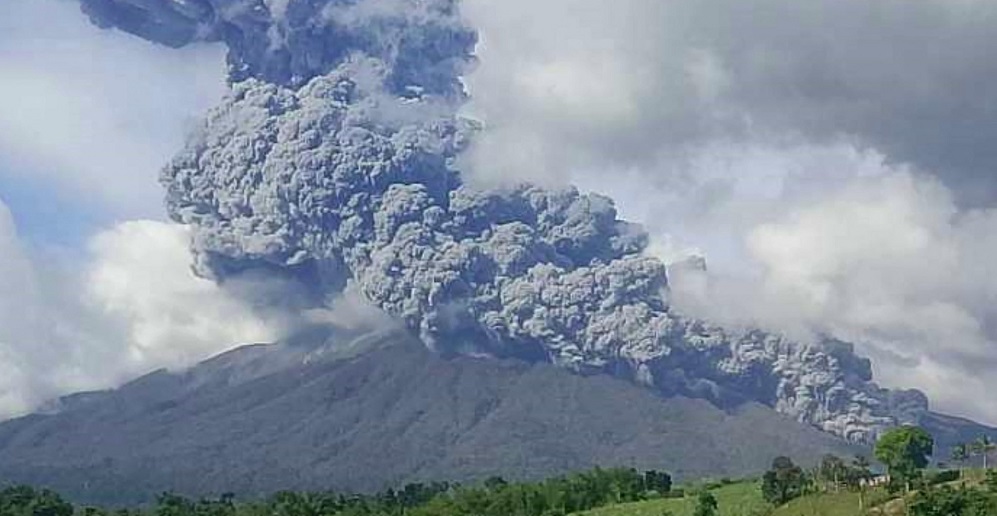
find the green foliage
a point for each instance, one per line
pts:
(657, 481)
(905, 451)
(599, 492)
(942, 477)
(946, 501)
(990, 481)
(739, 498)
(495, 497)
(25, 501)
(783, 482)
(960, 453)
(706, 504)
(983, 446)
(834, 473)
(832, 470)
(557, 496)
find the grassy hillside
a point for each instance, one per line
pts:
(745, 499)
(834, 504)
(740, 499)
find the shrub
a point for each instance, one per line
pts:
(706, 504)
(942, 477)
(675, 493)
(991, 480)
(784, 482)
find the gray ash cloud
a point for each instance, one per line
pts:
(288, 42)
(333, 161)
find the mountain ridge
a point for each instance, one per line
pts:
(264, 418)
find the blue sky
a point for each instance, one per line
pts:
(91, 116)
(92, 278)
(46, 219)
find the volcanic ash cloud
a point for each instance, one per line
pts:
(333, 162)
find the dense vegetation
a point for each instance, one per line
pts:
(905, 451)
(834, 487)
(610, 492)
(494, 497)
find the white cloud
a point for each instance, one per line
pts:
(134, 307)
(96, 112)
(569, 87)
(892, 262)
(888, 262)
(828, 157)
(18, 318)
(141, 278)
(92, 115)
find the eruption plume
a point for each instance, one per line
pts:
(333, 161)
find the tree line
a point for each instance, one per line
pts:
(905, 452)
(495, 497)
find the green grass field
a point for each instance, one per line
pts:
(834, 504)
(741, 499)
(744, 499)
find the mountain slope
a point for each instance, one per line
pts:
(384, 412)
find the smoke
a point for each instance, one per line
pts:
(288, 42)
(718, 124)
(766, 137)
(333, 165)
(340, 186)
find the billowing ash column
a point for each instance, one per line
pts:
(332, 161)
(287, 42)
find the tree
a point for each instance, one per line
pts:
(495, 483)
(657, 481)
(983, 446)
(859, 470)
(832, 470)
(706, 505)
(905, 451)
(861, 462)
(960, 453)
(783, 482)
(946, 501)
(28, 501)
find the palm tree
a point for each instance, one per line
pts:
(860, 469)
(960, 453)
(861, 463)
(959, 456)
(983, 446)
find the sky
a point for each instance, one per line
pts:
(95, 285)
(830, 159)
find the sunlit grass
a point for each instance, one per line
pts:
(741, 499)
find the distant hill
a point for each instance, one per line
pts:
(364, 412)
